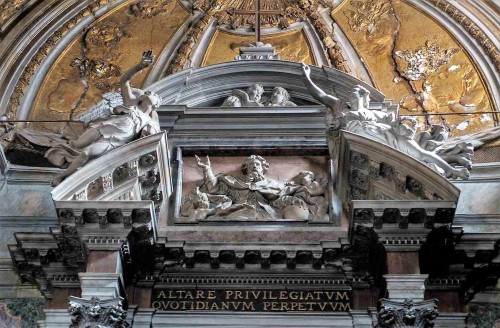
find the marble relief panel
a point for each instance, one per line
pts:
(93, 63)
(284, 195)
(415, 61)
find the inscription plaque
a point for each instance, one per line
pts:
(258, 300)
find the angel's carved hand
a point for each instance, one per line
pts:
(147, 58)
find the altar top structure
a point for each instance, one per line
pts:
(348, 179)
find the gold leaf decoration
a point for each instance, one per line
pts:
(93, 63)
(414, 60)
(291, 45)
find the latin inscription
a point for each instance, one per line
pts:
(166, 299)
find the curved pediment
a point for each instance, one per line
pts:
(208, 86)
(370, 170)
(131, 172)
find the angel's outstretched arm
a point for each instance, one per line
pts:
(129, 99)
(242, 94)
(318, 94)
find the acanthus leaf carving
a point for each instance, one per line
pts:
(407, 314)
(97, 313)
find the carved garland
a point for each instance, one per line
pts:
(180, 59)
(471, 28)
(335, 55)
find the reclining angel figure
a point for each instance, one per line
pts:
(115, 121)
(135, 118)
(380, 126)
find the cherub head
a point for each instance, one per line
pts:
(438, 130)
(305, 177)
(232, 101)
(200, 199)
(255, 92)
(279, 95)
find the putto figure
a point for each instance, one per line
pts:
(377, 125)
(308, 194)
(251, 97)
(280, 97)
(232, 101)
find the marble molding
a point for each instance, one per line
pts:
(406, 286)
(102, 285)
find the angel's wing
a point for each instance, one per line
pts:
(102, 109)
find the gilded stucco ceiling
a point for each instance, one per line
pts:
(409, 56)
(414, 60)
(92, 64)
(291, 45)
(226, 11)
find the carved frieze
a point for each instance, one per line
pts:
(181, 58)
(403, 216)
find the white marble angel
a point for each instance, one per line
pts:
(137, 116)
(377, 125)
(116, 120)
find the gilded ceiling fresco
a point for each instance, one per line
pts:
(415, 61)
(291, 45)
(92, 64)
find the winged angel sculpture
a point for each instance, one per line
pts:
(430, 147)
(115, 121)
